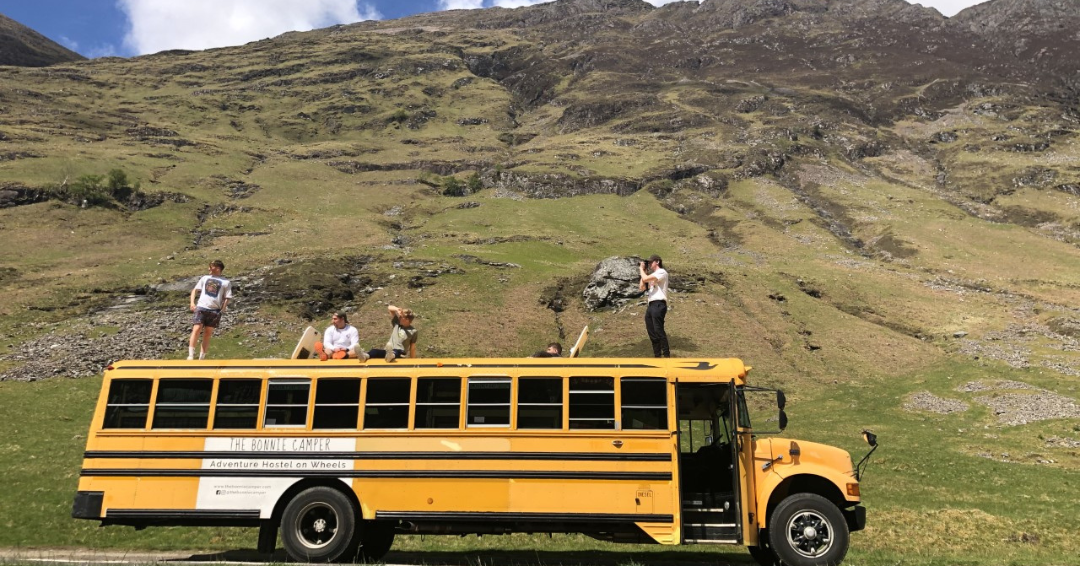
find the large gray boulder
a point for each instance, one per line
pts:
(613, 283)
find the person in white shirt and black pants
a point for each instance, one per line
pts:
(656, 281)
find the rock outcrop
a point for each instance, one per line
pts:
(612, 283)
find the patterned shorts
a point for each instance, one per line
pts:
(207, 317)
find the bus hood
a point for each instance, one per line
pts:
(786, 456)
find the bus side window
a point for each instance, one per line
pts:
(337, 403)
(287, 402)
(592, 402)
(644, 403)
(438, 402)
(539, 403)
(183, 403)
(128, 403)
(488, 402)
(387, 403)
(238, 403)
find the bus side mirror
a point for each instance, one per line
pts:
(783, 419)
(781, 400)
(869, 437)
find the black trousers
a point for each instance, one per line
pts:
(654, 324)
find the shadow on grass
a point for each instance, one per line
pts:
(733, 556)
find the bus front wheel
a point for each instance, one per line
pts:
(319, 525)
(808, 530)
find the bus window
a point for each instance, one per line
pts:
(287, 402)
(488, 402)
(438, 402)
(238, 403)
(337, 403)
(644, 403)
(540, 403)
(183, 403)
(387, 403)
(128, 403)
(592, 402)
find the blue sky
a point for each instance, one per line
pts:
(97, 28)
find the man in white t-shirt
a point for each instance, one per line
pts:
(213, 292)
(655, 281)
(340, 340)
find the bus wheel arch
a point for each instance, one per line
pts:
(804, 483)
(320, 523)
(296, 488)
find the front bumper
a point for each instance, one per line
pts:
(856, 518)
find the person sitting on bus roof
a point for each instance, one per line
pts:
(402, 337)
(553, 350)
(340, 340)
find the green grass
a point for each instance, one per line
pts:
(937, 495)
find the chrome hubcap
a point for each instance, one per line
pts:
(316, 525)
(809, 534)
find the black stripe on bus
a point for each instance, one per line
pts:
(182, 514)
(423, 474)
(559, 456)
(397, 365)
(420, 516)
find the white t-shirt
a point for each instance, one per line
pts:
(214, 291)
(334, 339)
(658, 288)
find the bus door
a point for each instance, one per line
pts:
(707, 456)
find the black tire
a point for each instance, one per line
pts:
(319, 525)
(763, 555)
(376, 538)
(808, 530)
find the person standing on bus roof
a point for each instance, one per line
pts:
(340, 340)
(402, 337)
(656, 281)
(214, 292)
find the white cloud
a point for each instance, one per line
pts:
(475, 4)
(69, 43)
(517, 3)
(947, 7)
(157, 25)
(460, 4)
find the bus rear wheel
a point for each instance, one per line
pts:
(319, 525)
(376, 538)
(808, 530)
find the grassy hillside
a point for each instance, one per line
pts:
(893, 244)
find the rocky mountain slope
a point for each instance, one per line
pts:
(23, 47)
(887, 165)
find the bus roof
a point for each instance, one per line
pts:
(684, 369)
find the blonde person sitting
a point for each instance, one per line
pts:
(340, 340)
(402, 340)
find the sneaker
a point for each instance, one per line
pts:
(363, 357)
(390, 355)
(320, 351)
(191, 356)
(340, 355)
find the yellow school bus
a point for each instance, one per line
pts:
(340, 456)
